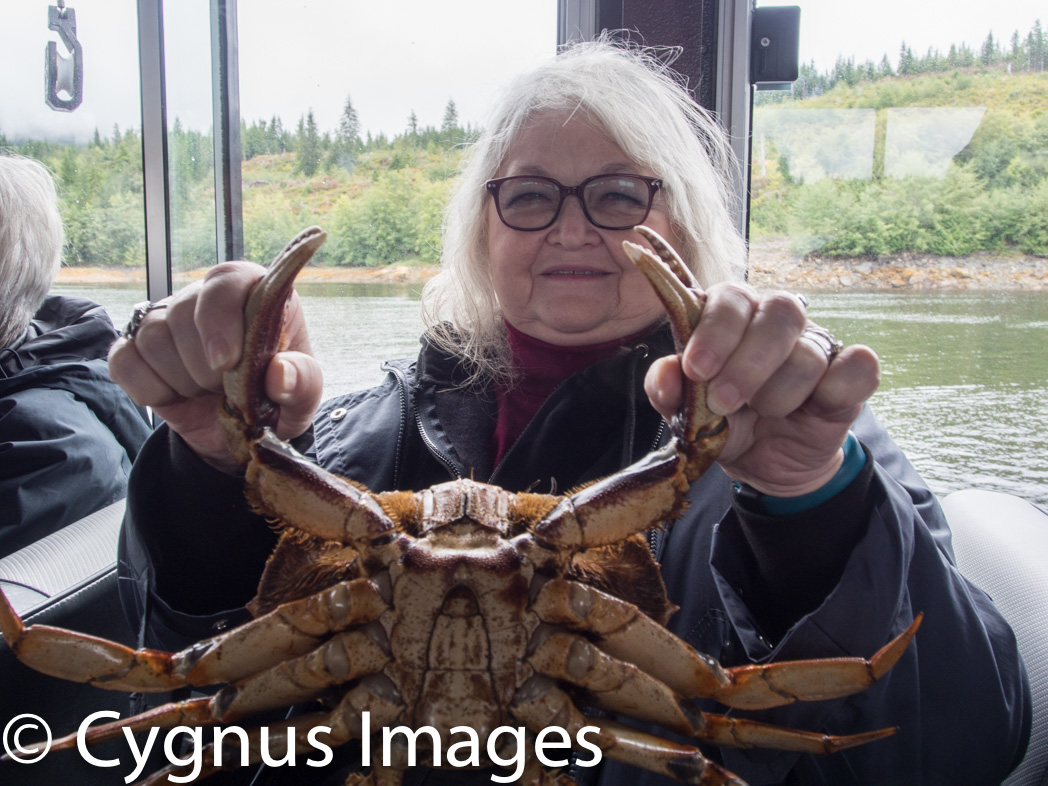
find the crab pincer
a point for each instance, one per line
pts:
(702, 433)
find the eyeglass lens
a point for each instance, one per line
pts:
(610, 202)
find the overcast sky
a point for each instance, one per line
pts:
(391, 58)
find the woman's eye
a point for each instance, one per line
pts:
(528, 199)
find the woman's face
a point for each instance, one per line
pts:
(571, 283)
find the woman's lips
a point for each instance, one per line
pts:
(574, 273)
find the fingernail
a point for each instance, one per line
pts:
(723, 398)
(289, 377)
(218, 354)
(702, 364)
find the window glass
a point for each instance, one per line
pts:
(903, 181)
(354, 117)
(190, 146)
(94, 149)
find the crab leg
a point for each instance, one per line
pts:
(774, 684)
(194, 712)
(616, 686)
(653, 488)
(280, 482)
(293, 628)
(612, 509)
(374, 696)
(540, 704)
(344, 657)
(628, 635)
(742, 733)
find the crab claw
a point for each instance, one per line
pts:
(702, 433)
(246, 410)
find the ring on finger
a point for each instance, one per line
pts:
(824, 340)
(138, 313)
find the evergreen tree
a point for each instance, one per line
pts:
(989, 54)
(885, 68)
(1035, 48)
(907, 62)
(349, 125)
(451, 118)
(413, 127)
(309, 150)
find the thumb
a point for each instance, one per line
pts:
(295, 382)
(664, 384)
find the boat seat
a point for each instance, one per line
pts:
(1001, 544)
(66, 579)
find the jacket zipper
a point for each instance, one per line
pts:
(437, 453)
(654, 534)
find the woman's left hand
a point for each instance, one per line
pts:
(789, 404)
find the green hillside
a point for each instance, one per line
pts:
(860, 166)
(861, 169)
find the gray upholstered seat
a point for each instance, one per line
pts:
(1001, 543)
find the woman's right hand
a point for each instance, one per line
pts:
(175, 361)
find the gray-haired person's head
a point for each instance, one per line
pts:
(630, 94)
(31, 239)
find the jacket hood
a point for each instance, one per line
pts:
(64, 329)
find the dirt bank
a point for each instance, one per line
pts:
(772, 265)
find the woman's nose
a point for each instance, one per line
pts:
(572, 224)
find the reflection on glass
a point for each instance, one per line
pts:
(819, 143)
(922, 141)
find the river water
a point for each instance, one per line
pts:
(965, 374)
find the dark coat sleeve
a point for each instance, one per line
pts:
(959, 687)
(68, 436)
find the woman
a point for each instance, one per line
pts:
(545, 357)
(68, 435)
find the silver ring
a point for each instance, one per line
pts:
(138, 313)
(824, 340)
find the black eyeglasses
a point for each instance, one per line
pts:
(614, 201)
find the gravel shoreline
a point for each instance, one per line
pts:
(772, 266)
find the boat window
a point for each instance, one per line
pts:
(901, 182)
(93, 146)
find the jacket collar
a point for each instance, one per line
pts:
(64, 329)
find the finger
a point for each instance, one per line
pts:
(181, 322)
(157, 347)
(853, 376)
(766, 344)
(295, 382)
(219, 312)
(138, 379)
(664, 384)
(793, 382)
(728, 310)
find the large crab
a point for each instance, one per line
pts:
(463, 608)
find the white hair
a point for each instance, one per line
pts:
(633, 96)
(31, 239)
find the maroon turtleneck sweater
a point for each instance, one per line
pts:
(541, 368)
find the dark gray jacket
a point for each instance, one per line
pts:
(68, 433)
(841, 579)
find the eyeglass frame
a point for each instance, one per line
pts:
(493, 186)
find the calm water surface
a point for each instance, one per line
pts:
(965, 375)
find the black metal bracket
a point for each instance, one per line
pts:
(61, 72)
(775, 46)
